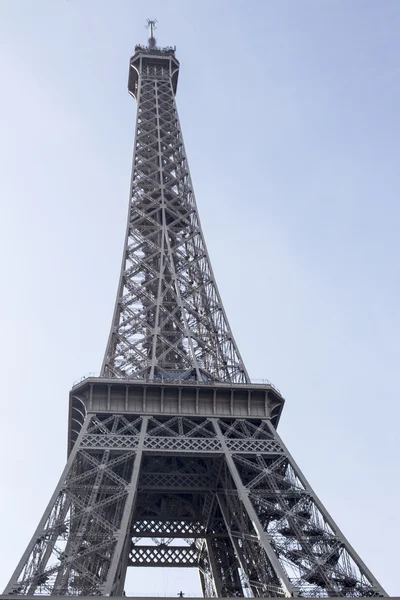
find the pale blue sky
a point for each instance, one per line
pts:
(291, 122)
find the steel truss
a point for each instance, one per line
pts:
(211, 484)
(169, 318)
(240, 510)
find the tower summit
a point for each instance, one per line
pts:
(174, 458)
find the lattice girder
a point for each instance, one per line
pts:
(168, 317)
(244, 513)
(75, 543)
(312, 551)
(164, 556)
(174, 456)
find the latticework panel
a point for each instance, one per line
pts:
(75, 543)
(134, 486)
(242, 512)
(314, 557)
(164, 556)
(169, 321)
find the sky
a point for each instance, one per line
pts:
(289, 111)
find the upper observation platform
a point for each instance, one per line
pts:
(152, 62)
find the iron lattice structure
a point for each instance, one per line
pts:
(168, 315)
(174, 458)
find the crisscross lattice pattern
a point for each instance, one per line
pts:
(241, 511)
(226, 487)
(169, 320)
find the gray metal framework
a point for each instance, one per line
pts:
(174, 458)
(168, 314)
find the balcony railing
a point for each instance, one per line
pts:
(161, 379)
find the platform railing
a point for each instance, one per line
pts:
(161, 379)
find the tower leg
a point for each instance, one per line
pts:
(241, 493)
(289, 542)
(31, 569)
(214, 569)
(228, 568)
(79, 545)
(123, 534)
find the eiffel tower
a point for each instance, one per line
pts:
(174, 456)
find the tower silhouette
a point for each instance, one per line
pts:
(174, 458)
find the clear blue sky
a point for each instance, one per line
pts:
(290, 113)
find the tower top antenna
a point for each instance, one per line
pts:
(151, 24)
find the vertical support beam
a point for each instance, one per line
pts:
(203, 584)
(243, 493)
(214, 570)
(125, 527)
(234, 541)
(162, 235)
(126, 397)
(109, 397)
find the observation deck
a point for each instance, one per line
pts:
(192, 399)
(152, 62)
